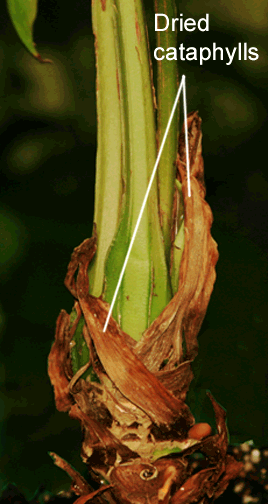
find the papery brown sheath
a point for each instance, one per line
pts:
(136, 407)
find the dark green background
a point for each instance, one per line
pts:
(48, 148)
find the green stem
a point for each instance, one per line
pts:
(167, 86)
(110, 163)
(145, 288)
(126, 155)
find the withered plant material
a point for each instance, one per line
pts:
(134, 418)
(182, 318)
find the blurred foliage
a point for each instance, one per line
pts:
(241, 14)
(48, 147)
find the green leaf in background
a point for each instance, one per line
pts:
(23, 14)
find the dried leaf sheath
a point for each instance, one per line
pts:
(134, 415)
(183, 316)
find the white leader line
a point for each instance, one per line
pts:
(181, 87)
(186, 135)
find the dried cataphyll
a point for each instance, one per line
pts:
(138, 432)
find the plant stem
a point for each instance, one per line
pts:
(108, 189)
(167, 86)
(145, 289)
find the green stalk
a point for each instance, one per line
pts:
(145, 289)
(167, 86)
(110, 154)
(171, 205)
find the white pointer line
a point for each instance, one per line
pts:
(182, 86)
(186, 135)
